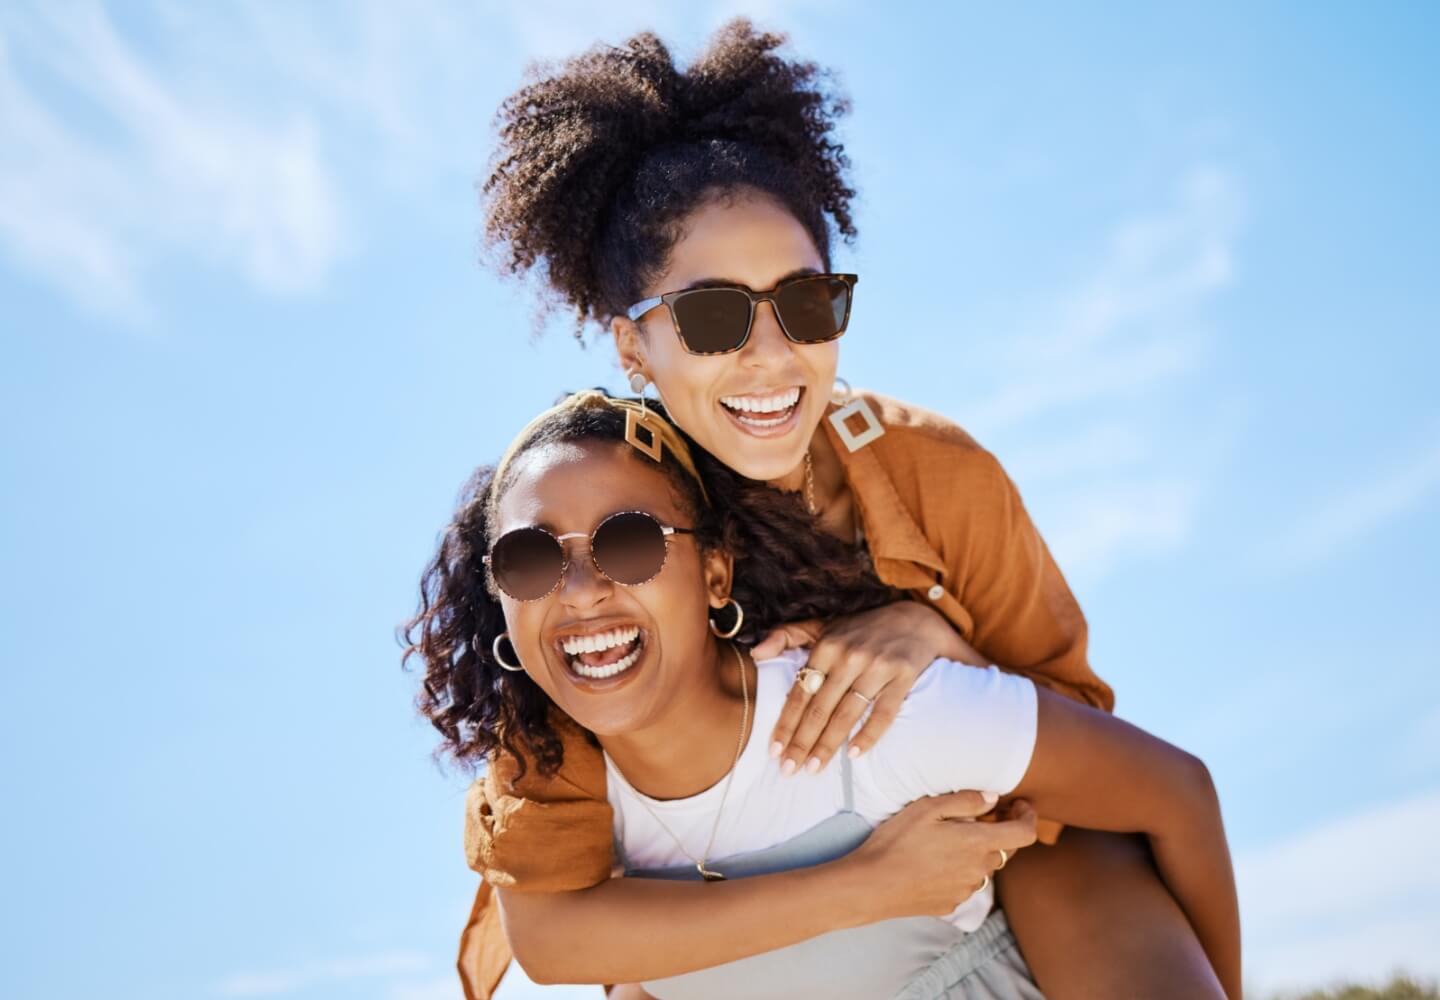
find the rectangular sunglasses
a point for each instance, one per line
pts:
(811, 308)
(628, 548)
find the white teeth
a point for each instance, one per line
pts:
(763, 404)
(609, 670)
(578, 644)
(757, 422)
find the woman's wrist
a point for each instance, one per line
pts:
(947, 643)
(860, 891)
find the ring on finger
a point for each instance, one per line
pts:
(983, 885)
(810, 679)
(1004, 859)
(865, 699)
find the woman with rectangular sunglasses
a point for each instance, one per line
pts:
(589, 580)
(691, 213)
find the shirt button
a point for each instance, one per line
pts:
(935, 593)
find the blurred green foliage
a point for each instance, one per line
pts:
(1399, 988)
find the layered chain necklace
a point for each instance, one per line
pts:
(706, 873)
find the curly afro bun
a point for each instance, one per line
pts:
(600, 161)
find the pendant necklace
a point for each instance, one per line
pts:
(708, 874)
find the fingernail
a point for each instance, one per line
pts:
(990, 798)
(853, 752)
(776, 749)
(813, 765)
(788, 767)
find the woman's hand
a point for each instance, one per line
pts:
(932, 855)
(874, 657)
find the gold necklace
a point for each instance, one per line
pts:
(705, 873)
(810, 485)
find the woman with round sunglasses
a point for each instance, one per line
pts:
(609, 583)
(692, 214)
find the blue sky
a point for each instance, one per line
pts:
(1171, 268)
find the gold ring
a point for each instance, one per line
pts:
(868, 701)
(810, 679)
(983, 885)
(1004, 859)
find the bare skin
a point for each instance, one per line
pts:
(750, 240)
(1087, 768)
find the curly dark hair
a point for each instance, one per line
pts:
(601, 160)
(785, 570)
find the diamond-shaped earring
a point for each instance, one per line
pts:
(854, 406)
(642, 431)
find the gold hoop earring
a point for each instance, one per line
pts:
(734, 630)
(495, 651)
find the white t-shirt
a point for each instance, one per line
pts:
(960, 728)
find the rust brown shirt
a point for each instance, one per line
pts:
(943, 521)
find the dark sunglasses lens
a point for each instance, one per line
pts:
(814, 309)
(629, 548)
(526, 563)
(712, 320)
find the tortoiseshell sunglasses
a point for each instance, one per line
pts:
(811, 308)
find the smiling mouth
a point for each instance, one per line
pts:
(605, 654)
(764, 412)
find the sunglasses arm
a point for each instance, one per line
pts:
(641, 308)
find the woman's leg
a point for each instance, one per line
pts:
(1094, 920)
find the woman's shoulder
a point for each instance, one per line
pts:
(927, 448)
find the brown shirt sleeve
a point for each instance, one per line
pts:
(531, 833)
(1024, 615)
(542, 834)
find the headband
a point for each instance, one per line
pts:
(645, 431)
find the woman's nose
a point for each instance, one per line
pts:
(767, 345)
(582, 585)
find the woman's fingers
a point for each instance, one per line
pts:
(887, 707)
(839, 673)
(790, 713)
(791, 636)
(960, 805)
(1010, 835)
(842, 722)
(936, 855)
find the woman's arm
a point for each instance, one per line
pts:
(1093, 770)
(921, 862)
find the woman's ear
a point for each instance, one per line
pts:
(719, 570)
(627, 344)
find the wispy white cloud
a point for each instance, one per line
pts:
(387, 965)
(1355, 513)
(1106, 523)
(1094, 360)
(1134, 322)
(1354, 898)
(111, 165)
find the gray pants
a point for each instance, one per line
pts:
(986, 965)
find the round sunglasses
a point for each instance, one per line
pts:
(628, 548)
(717, 319)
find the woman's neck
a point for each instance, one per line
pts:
(834, 507)
(693, 745)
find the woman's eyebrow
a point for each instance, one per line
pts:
(802, 272)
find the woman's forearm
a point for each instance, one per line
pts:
(1093, 770)
(1194, 861)
(633, 929)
